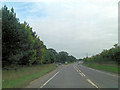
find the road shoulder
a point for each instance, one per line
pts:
(37, 83)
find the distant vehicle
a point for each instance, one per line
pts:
(78, 63)
(66, 62)
(59, 63)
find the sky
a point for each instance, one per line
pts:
(79, 27)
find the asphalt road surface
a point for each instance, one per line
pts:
(75, 76)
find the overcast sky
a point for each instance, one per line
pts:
(79, 27)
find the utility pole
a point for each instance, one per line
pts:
(86, 54)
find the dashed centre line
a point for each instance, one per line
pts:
(92, 83)
(83, 75)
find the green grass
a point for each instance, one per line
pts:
(105, 67)
(22, 77)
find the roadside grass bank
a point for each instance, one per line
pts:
(113, 68)
(24, 75)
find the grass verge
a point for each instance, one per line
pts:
(106, 67)
(21, 77)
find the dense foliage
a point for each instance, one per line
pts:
(21, 46)
(106, 56)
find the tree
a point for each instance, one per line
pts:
(22, 46)
(71, 59)
(63, 56)
(106, 56)
(52, 53)
(12, 35)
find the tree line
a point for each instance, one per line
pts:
(22, 46)
(106, 56)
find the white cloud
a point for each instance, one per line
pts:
(92, 1)
(76, 26)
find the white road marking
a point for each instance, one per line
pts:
(49, 80)
(83, 75)
(79, 71)
(76, 68)
(100, 71)
(92, 83)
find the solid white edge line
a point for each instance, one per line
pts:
(49, 80)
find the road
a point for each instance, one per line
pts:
(75, 76)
